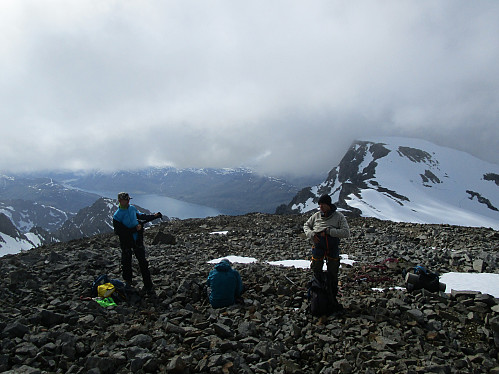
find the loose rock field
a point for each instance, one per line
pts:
(48, 323)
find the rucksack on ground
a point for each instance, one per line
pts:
(320, 301)
(120, 293)
(105, 287)
(100, 280)
(421, 278)
(105, 290)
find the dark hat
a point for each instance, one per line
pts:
(123, 196)
(325, 199)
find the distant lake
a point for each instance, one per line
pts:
(166, 205)
(172, 207)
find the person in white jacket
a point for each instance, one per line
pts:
(325, 228)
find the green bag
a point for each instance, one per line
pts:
(108, 301)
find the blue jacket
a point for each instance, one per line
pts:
(125, 223)
(225, 284)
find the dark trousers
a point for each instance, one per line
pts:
(126, 264)
(327, 249)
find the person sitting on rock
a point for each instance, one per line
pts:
(224, 285)
(325, 228)
(131, 233)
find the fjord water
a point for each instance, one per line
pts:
(168, 206)
(173, 208)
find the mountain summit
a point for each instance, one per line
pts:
(409, 180)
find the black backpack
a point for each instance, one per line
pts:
(420, 278)
(321, 303)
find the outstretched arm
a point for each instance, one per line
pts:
(148, 217)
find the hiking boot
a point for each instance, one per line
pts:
(335, 308)
(322, 321)
(338, 313)
(128, 285)
(149, 291)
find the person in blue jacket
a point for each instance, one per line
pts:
(224, 285)
(131, 233)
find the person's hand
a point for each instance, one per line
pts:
(317, 235)
(138, 227)
(315, 238)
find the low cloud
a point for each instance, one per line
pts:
(282, 87)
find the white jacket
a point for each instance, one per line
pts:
(335, 225)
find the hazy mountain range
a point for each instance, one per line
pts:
(396, 179)
(59, 207)
(231, 191)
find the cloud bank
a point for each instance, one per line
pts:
(282, 86)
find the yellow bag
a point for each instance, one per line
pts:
(105, 290)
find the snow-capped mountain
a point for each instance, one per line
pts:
(26, 214)
(32, 209)
(13, 241)
(397, 179)
(410, 180)
(92, 220)
(89, 221)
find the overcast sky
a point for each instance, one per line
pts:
(282, 86)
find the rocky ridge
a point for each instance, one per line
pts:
(48, 323)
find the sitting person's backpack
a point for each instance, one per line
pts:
(422, 278)
(321, 304)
